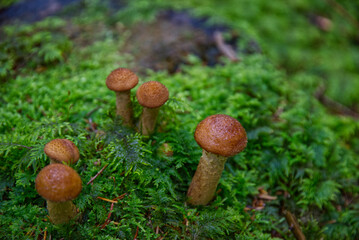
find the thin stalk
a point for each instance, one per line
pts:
(148, 120)
(124, 107)
(61, 212)
(206, 178)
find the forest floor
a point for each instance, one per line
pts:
(287, 71)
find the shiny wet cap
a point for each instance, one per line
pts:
(221, 134)
(152, 94)
(121, 79)
(58, 183)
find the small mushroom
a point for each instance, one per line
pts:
(62, 150)
(59, 184)
(151, 95)
(122, 80)
(220, 136)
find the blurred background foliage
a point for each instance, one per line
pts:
(296, 94)
(318, 38)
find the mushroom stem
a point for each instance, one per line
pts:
(61, 212)
(148, 120)
(52, 161)
(206, 178)
(124, 107)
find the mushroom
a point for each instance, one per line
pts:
(151, 95)
(220, 136)
(122, 80)
(59, 184)
(62, 150)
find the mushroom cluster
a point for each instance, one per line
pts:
(220, 136)
(150, 95)
(58, 183)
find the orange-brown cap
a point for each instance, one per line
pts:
(221, 134)
(152, 94)
(58, 183)
(62, 150)
(121, 79)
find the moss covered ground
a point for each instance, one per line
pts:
(302, 152)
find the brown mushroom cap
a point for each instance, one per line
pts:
(121, 79)
(152, 94)
(62, 150)
(221, 134)
(58, 183)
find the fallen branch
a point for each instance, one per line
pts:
(224, 48)
(293, 225)
(342, 11)
(335, 106)
(93, 178)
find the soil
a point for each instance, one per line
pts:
(162, 44)
(165, 43)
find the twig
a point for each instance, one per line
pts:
(335, 106)
(45, 233)
(294, 225)
(342, 11)
(107, 200)
(136, 234)
(92, 111)
(30, 232)
(161, 238)
(224, 48)
(119, 197)
(108, 217)
(97, 174)
(113, 200)
(15, 144)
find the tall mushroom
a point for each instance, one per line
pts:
(62, 150)
(59, 185)
(151, 95)
(220, 136)
(122, 80)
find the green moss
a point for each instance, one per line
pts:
(297, 150)
(287, 32)
(7, 3)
